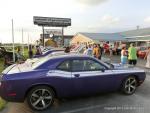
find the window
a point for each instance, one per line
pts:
(77, 65)
(86, 65)
(65, 66)
(91, 65)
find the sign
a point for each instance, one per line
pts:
(55, 32)
(51, 21)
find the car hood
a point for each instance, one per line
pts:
(17, 68)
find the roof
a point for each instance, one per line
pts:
(105, 36)
(137, 35)
(137, 32)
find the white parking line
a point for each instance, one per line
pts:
(84, 108)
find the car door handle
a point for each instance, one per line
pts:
(76, 75)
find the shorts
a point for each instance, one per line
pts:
(123, 59)
(132, 62)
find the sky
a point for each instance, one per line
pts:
(100, 16)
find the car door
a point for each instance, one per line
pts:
(90, 76)
(62, 79)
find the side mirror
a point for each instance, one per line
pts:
(102, 70)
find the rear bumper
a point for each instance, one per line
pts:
(9, 95)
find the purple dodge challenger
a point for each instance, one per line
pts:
(65, 76)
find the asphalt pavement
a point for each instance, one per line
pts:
(114, 102)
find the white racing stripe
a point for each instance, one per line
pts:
(90, 73)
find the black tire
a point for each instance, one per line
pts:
(129, 85)
(40, 98)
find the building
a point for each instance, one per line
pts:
(140, 36)
(58, 39)
(90, 38)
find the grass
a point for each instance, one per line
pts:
(26, 52)
(2, 102)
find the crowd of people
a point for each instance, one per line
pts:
(128, 56)
(94, 50)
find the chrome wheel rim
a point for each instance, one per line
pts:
(130, 85)
(41, 99)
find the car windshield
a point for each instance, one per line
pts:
(111, 66)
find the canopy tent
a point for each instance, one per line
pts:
(79, 38)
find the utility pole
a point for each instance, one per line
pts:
(43, 37)
(13, 41)
(62, 36)
(28, 41)
(22, 43)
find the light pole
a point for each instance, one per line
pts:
(13, 41)
(22, 43)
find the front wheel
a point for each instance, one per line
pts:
(40, 98)
(129, 85)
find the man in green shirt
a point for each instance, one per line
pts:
(132, 55)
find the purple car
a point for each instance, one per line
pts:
(65, 76)
(45, 53)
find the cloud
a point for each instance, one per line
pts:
(91, 2)
(107, 19)
(104, 23)
(147, 19)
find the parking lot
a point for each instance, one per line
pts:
(114, 102)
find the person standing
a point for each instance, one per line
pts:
(110, 51)
(100, 51)
(123, 56)
(19, 54)
(148, 58)
(96, 51)
(30, 52)
(132, 55)
(88, 51)
(38, 50)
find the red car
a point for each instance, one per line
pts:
(141, 52)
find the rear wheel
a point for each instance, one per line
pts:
(40, 97)
(129, 85)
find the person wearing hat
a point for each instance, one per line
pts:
(132, 55)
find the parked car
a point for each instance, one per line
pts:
(65, 76)
(45, 53)
(57, 53)
(141, 52)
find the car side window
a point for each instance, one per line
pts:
(91, 65)
(77, 65)
(64, 66)
(86, 65)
